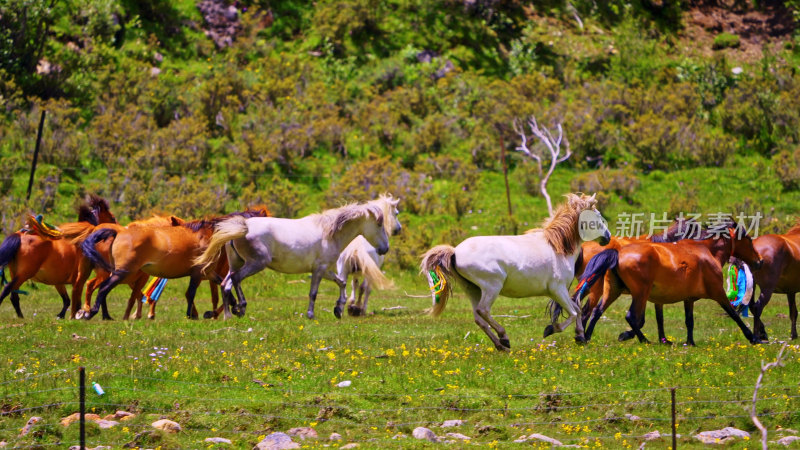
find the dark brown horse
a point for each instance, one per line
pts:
(166, 252)
(779, 274)
(683, 271)
(49, 260)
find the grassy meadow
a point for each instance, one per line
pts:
(274, 370)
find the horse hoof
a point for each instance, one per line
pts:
(151, 317)
(580, 340)
(506, 343)
(208, 315)
(548, 330)
(240, 312)
(191, 317)
(310, 314)
(107, 317)
(79, 314)
(337, 311)
(626, 335)
(354, 311)
(59, 316)
(89, 315)
(502, 348)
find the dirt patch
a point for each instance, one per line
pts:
(771, 24)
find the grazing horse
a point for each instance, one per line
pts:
(662, 273)
(360, 256)
(539, 262)
(48, 260)
(780, 273)
(309, 244)
(165, 252)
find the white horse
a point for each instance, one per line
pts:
(309, 244)
(539, 262)
(362, 257)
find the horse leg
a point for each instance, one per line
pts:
(214, 313)
(65, 302)
(365, 289)
(77, 288)
(226, 286)
(688, 311)
(15, 304)
(477, 296)
(610, 294)
(342, 283)
(316, 277)
(194, 281)
(561, 295)
(352, 309)
(105, 287)
(758, 326)
(92, 286)
(630, 334)
(662, 337)
(725, 304)
(792, 313)
(635, 315)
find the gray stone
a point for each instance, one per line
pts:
(335, 437)
(167, 425)
(539, 437)
(459, 436)
(217, 440)
(722, 436)
(28, 426)
(424, 433)
(788, 440)
(632, 418)
(452, 423)
(106, 423)
(651, 436)
(350, 445)
(303, 433)
(276, 441)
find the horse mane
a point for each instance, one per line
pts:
(561, 229)
(333, 220)
(197, 225)
(85, 214)
(387, 203)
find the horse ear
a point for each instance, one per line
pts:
(175, 221)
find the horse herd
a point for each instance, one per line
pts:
(352, 239)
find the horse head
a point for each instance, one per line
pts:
(743, 246)
(388, 205)
(100, 209)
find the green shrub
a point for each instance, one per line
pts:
(786, 165)
(607, 183)
(725, 40)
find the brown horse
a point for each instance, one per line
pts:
(135, 281)
(47, 260)
(166, 252)
(780, 273)
(678, 230)
(671, 273)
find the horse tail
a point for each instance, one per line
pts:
(225, 231)
(89, 250)
(360, 259)
(9, 249)
(76, 232)
(595, 270)
(439, 265)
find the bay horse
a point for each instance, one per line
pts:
(48, 260)
(166, 252)
(360, 256)
(779, 274)
(539, 262)
(662, 273)
(680, 229)
(309, 244)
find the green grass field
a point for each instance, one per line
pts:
(274, 370)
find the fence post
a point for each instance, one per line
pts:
(674, 424)
(36, 153)
(82, 401)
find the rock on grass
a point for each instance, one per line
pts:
(276, 441)
(425, 433)
(167, 425)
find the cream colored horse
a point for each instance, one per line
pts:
(362, 257)
(539, 262)
(309, 244)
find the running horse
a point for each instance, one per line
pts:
(309, 244)
(539, 262)
(682, 271)
(52, 260)
(779, 274)
(166, 252)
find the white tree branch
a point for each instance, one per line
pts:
(753, 415)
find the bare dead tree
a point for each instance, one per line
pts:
(753, 416)
(553, 145)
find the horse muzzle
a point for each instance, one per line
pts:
(382, 250)
(605, 238)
